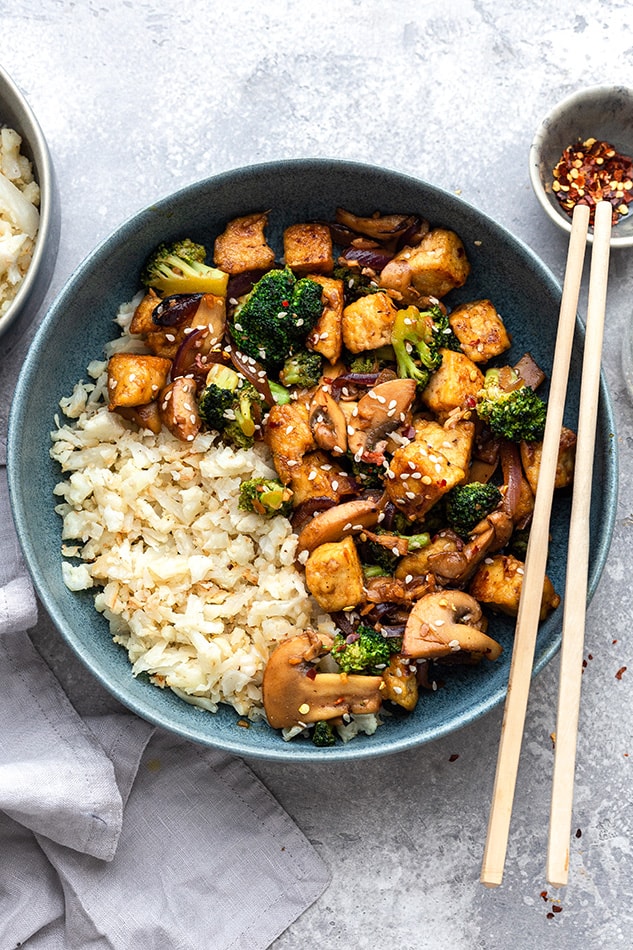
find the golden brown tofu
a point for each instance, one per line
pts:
(308, 249)
(432, 268)
(532, 452)
(401, 685)
(179, 409)
(368, 322)
(288, 436)
(315, 475)
(480, 330)
(334, 575)
(327, 336)
(454, 385)
(455, 443)
(418, 476)
(498, 583)
(141, 322)
(242, 246)
(134, 379)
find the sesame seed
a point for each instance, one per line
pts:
(304, 708)
(410, 495)
(427, 480)
(350, 430)
(312, 476)
(170, 337)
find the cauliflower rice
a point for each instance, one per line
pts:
(198, 592)
(19, 216)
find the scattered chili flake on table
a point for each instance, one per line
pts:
(593, 171)
(622, 670)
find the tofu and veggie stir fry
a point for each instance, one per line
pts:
(406, 447)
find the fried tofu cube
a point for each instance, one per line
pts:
(532, 452)
(430, 269)
(480, 330)
(308, 249)
(179, 408)
(242, 246)
(368, 322)
(498, 583)
(334, 575)
(134, 379)
(455, 443)
(454, 385)
(401, 685)
(142, 323)
(327, 336)
(418, 476)
(315, 476)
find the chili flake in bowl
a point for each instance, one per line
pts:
(581, 155)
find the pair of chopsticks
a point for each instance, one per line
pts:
(577, 563)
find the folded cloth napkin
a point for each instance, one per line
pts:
(114, 834)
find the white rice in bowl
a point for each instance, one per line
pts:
(198, 592)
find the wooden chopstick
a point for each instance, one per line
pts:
(578, 566)
(535, 563)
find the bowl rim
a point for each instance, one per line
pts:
(36, 140)
(137, 704)
(554, 213)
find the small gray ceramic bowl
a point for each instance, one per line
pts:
(81, 321)
(602, 112)
(15, 113)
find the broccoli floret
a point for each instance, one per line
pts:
(276, 316)
(443, 333)
(466, 505)
(303, 368)
(180, 268)
(519, 543)
(372, 361)
(265, 496)
(415, 345)
(323, 734)
(511, 413)
(369, 653)
(230, 405)
(355, 283)
(386, 556)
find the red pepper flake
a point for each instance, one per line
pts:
(454, 757)
(578, 833)
(311, 673)
(592, 171)
(544, 895)
(550, 915)
(622, 670)
(557, 909)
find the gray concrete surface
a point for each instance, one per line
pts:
(138, 99)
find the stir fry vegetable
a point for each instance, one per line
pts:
(406, 449)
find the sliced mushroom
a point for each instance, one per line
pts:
(491, 534)
(378, 413)
(338, 522)
(293, 693)
(380, 227)
(327, 423)
(447, 622)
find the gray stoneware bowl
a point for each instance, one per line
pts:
(602, 112)
(15, 113)
(81, 321)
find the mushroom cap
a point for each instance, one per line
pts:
(336, 523)
(446, 622)
(378, 413)
(294, 694)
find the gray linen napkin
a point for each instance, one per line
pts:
(114, 834)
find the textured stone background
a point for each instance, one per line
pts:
(138, 99)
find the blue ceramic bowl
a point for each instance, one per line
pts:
(80, 322)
